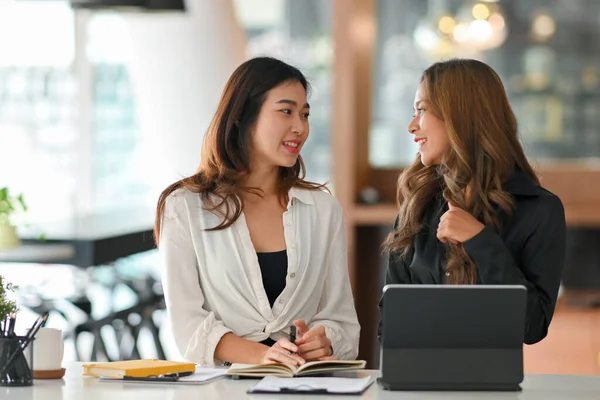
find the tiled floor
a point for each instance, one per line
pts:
(571, 347)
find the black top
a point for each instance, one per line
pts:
(273, 267)
(529, 250)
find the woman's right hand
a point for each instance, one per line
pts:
(283, 351)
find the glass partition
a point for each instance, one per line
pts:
(38, 113)
(544, 50)
(299, 32)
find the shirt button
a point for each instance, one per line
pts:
(292, 246)
(281, 301)
(293, 275)
(289, 223)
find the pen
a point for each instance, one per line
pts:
(159, 378)
(11, 325)
(163, 378)
(293, 334)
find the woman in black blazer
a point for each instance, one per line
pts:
(472, 210)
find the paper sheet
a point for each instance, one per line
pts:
(203, 375)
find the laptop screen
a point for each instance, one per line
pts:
(453, 316)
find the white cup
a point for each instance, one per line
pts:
(48, 350)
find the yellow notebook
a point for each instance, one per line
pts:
(289, 371)
(138, 368)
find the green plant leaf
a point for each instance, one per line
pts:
(22, 202)
(10, 205)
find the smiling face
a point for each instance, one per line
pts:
(281, 128)
(429, 131)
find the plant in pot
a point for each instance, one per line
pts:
(7, 306)
(9, 205)
(13, 371)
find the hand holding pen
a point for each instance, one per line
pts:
(313, 344)
(283, 351)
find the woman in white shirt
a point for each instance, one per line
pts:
(250, 248)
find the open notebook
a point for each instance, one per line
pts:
(284, 370)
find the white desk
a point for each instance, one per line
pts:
(74, 387)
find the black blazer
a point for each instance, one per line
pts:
(529, 250)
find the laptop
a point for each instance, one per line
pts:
(453, 337)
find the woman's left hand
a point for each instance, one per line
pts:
(313, 344)
(457, 225)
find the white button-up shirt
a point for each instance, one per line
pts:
(213, 284)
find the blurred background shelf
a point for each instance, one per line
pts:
(378, 214)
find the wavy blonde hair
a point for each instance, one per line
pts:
(469, 97)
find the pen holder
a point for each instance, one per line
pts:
(19, 372)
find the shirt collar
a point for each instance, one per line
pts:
(303, 195)
(519, 183)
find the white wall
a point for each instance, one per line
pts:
(180, 64)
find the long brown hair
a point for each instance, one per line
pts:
(225, 160)
(469, 97)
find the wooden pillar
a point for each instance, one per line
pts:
(354, 30)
